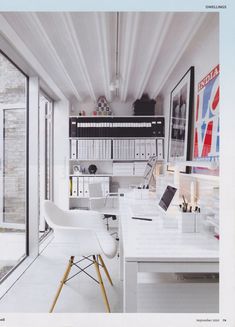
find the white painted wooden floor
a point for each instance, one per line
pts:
(34, 291)
(12, 245)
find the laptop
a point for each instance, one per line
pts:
(168, 210)
(167, 198)
(155, 210)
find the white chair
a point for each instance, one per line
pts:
(100, 202)
(81, 233)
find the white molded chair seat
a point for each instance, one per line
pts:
(81, 233)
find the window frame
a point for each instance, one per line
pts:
(26, 254)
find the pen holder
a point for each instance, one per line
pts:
(186, 222)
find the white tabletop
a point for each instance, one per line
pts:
(149, 241)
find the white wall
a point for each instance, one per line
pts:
(202, 53)
(118, 108)
(61, 154)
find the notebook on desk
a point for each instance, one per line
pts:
(145, 213)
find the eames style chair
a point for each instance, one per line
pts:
(99, 202)
(81, 233)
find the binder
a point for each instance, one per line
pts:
(160, 149)
(70, 186)
(137, 149)
(82, 149)
(81, 187)
(132, 149)
(160, 126)
(89, 149)
(153, 147)
(86, 187)
(73, 149)
(121, 149)
(110, 149)
(148, 148)
(79, 133)
(113, 149)
(106, 149)
(103, 148)
(142, 149)
(127, 149)
(78, 149)
(105, 182)
(92, 149)
(73, 127)
(96, 149)
(74, 186)
(85, 149)
(118, 149)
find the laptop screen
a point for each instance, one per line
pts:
(167, 197)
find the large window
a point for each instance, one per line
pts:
(13, 165)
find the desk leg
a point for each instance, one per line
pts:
(130, 286)
(121, 255)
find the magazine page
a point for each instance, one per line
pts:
(117, 163)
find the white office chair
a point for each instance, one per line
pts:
(81, 233)
(100, 202)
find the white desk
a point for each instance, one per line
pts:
(147, 247)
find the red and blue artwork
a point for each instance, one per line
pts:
(206, 124)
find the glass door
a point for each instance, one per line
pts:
(13, 166)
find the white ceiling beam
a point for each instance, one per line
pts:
(128, 45)
(33, 20)
(161, 32)
(104, 48)
(182, 46)
(66, 17)
(9, 33)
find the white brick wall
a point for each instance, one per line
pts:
(12, 91)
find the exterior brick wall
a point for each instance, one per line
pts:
(13, 91)
(12, 83)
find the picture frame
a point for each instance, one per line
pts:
(180, 120)
(76, 169)
(207, 122)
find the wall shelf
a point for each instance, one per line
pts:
(105, 175)
(122, 160)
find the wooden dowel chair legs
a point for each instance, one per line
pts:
(96, 261)
(105, 269)
(101, 285)
(70, 264)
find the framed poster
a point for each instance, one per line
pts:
(181, 106)
(206, 123)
